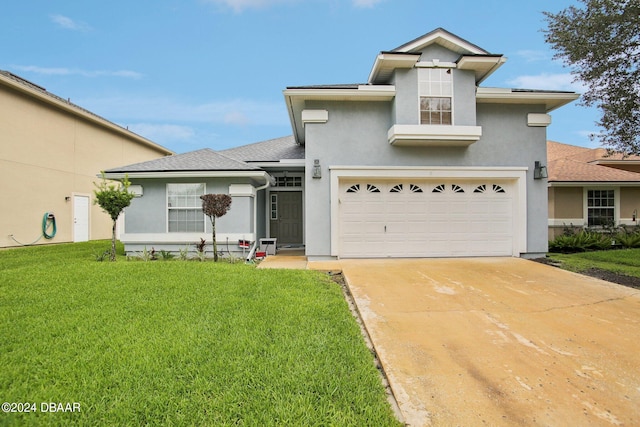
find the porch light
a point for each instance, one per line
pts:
(317, 172)
(539, 171)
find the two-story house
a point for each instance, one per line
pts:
(419, 161)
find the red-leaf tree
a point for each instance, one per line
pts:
(214, 206)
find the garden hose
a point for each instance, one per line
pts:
(45, 225)
(48, 218)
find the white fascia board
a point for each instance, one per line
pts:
(594, 184)
(386, 63)
(445, 39)
(189, 174)
(551, 100)
(284, 162)
(370, 92)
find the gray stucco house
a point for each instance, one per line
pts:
(419, 161)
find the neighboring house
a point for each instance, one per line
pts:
(419, 161)
(51, 153)
(591, 188)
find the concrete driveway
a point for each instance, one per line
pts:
(501, 341)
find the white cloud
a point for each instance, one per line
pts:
(241, 5)
(535, 55)
(239, 112)
(162, 132)
(366, 3)
(61, 71)
(547, 81)
(68, 23)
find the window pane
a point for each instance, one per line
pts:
(186, 220)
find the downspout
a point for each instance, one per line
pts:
(268, 180)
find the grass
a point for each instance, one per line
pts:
(623, 261)
(179, 343)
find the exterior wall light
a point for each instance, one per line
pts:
(539, 171)
(317, 172)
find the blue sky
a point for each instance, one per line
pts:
(189, 74)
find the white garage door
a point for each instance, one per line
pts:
(420, 218)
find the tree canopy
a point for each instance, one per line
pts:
(601, 44)
(215, 206)
(113, 198)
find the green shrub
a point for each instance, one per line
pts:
(582, 241)
(628, 240)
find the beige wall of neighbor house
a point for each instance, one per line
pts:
(565, 207)
(51, 151)
(629, 203)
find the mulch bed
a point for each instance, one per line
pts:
(620, 279)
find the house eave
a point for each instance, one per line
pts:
(550, 99)
(68, 107)
(594, 183)
(295, 99)
(482, 65)
(387, 62)
(188, 174)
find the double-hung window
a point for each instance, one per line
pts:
(600, 207)
(435, 87)
(184, 208)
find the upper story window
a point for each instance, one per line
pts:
(184, 208)
(435, 87)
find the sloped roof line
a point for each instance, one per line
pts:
(34, 90)
(204, 159)
(570, 163)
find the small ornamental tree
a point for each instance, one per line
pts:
(113, 198)
(214, 206)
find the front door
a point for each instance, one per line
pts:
(286, 217)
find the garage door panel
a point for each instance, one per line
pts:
(426, 218)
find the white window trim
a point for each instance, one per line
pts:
(166, 206)
(616, 203)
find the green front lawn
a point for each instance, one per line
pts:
(622, 261)
(179, 343)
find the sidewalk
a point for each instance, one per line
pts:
(298, 262)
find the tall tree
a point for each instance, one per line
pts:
(113, 198)
(601, 43)
(215, 206)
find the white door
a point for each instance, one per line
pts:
(80, 218)
(421, 218)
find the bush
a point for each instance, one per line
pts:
(592, 240)
(582, 241)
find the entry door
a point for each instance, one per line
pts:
(286, 217)
(80, 218)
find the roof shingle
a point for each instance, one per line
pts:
(569, 163)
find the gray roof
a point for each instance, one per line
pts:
(200, 160)
(271, 150)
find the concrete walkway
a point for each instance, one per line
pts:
(498, 341)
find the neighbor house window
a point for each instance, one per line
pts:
(435, 87)
(184, 208)
(600, 207)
